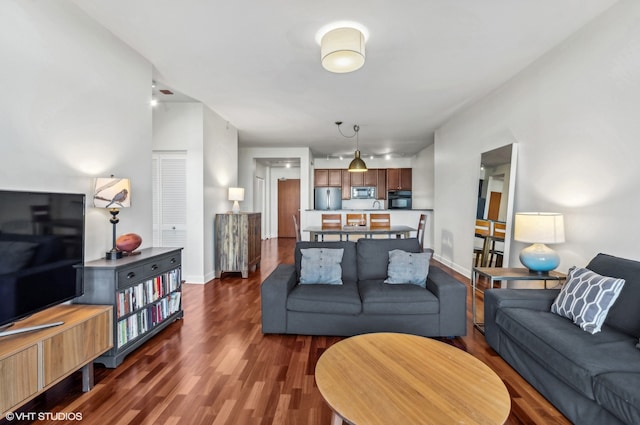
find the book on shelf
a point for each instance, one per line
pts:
(153, 314)
(137, 296)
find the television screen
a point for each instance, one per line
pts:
(41, 251)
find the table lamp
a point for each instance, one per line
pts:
(539, 228)
(236, 194)
(112, 193)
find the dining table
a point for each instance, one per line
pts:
(397, 231)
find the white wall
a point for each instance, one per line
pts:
(211, 144)
(220, 156)
(423, 178)
(574, 116)
(179, 127)
(74, 106)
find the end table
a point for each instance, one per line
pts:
(498, 274)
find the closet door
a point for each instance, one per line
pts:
(169, 178)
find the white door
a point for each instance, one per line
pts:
(169, 179)
(259, 203)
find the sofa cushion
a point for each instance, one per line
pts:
(619, 393)
(624, 315)
(321, 265)
(340, 299)
(373, 255)
(586, 298)
(380, 298)
(349, 270)
(574, 356)
(408, 267)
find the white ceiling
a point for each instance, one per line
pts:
(257, 63)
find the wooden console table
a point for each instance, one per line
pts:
(33, 362)
(237, 243)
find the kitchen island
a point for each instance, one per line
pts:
(313, 218)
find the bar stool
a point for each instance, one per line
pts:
(379, 221)
(356, 219)
(498, 234)
(482, 231)
(331, 221)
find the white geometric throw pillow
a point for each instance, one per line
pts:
(586, 298)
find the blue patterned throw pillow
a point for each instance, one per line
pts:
(321, 265)
(408, 267)
(586, 298)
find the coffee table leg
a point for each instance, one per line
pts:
(336, 420)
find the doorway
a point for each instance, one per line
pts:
(288, 205)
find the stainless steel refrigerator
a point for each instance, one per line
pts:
(328, 198)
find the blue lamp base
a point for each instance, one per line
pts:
(539, 258)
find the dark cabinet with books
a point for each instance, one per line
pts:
(145, 291)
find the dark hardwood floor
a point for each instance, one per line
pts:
(216, 367)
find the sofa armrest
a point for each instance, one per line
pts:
(495, 299)
(274, 292)
(452, 295)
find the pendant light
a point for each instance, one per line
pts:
(357, 165)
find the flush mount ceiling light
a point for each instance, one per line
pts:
(342, 49)
(357, 165)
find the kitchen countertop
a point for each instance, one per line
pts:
(374, 209)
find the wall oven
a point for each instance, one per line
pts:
(399, 200)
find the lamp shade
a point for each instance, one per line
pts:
(236, 193)
(342, 50)
(111, 192)
(357, 165)
(539, 227)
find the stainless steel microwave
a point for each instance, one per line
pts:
(363, 192)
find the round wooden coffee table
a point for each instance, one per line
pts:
(388, 378)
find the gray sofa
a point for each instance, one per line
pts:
(591, 379)
(363, 303)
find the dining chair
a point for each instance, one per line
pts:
(296, 226)
(422, 229)
(332, 221)
(379, 221)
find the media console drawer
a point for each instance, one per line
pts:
(18, 377)
(32, 362)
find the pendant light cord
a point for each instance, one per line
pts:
(356, 129)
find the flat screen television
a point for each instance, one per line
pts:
(41, 252)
